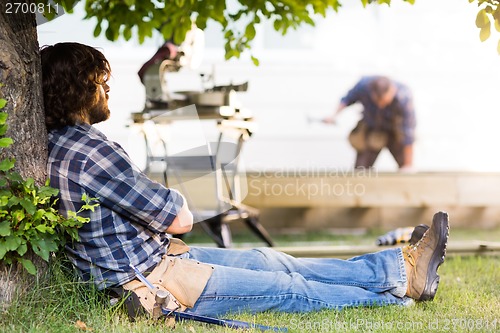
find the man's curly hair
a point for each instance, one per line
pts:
(71, 73)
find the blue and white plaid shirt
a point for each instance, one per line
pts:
(128, 226)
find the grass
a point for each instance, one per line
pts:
(468, 300)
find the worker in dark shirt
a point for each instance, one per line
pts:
(388, 120)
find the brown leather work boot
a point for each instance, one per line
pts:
(423, 259)
(418, 233)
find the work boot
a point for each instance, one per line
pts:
(418, 233)
(423, 259)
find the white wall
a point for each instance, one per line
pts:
(433, 46)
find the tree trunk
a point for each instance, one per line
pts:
(20, 74)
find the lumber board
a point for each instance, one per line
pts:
(375, 190)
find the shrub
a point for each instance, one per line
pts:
(28, 215)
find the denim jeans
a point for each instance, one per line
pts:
(264, 279)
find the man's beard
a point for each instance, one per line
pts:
(100, 112)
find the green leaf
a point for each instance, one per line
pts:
(12, 243)
(51, 216)
(22, 249)
(3, 250)
(43, 247)
(127, 33)
(44, 228)
(7, 164)
(179, 35)
(5, 229)
(28, 265)
(47, 192)
(255, 61)
(14, 177)
(485, 33)
(5, 142)
(3, 129)
(3, 102)
(28, 205)
(167, 30)
(29, 183)
(18, 215)
(97, 30)
(110, 33)
(250, 32)
(482, 19)
(277, 25)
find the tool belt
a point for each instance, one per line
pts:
(184, 279)
(363, 138)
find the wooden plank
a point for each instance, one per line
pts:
(375, 190)
(477, 190)
(268, 190)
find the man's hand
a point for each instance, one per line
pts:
(329, 120)
(407, 166)
(407, 169)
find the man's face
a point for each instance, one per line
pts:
(99, 110)
(386, 99)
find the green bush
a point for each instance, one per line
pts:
(28, 215)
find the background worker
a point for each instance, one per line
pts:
(388, 120)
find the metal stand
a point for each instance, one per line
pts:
(222, 163)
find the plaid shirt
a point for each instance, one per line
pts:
(401, 106)
(128, 226)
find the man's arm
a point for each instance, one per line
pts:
(110, 176)
(333, 119)
(409, 124)
(166, 51)
(407, 158)
(354, 95)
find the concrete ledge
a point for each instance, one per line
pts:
(366, 199)
(371, 189)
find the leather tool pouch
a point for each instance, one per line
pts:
(377, 140)
(176, 247)
(184, 279)
(357, 137)
(363, 138)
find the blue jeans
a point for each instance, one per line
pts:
(264, 279)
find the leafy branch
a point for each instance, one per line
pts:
(28, 217)
(239, 21)
(174, 18)
(488, 15)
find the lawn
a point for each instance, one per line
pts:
(468, 300)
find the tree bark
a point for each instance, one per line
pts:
(20, 74)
